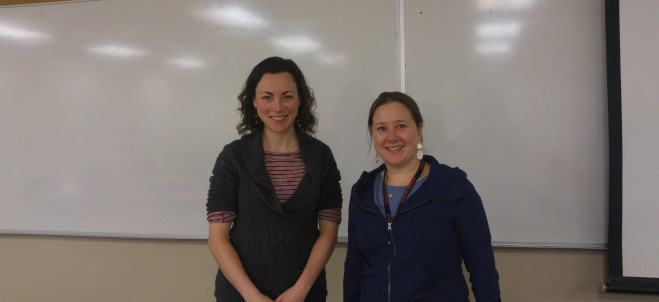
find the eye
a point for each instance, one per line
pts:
(402, 126)
(381, 128)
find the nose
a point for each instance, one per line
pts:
(277, 106)
(391, 135)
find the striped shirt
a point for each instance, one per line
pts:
(286, 171)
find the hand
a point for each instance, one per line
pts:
(293, 294)
(258, 298)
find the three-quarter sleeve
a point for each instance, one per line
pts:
(330, 190)
(330, 198)
(222, 202)
(476, 245)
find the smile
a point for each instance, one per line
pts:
(278, 118)
(394, 148)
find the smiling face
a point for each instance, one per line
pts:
(395, 135)
(276, 102)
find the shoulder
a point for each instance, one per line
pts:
(232, 149)
(233, 146)
(314, 149)
(452, 182)
(366, 178)
(245, 142)
(232, 152)
(444, 173)
(313, 143)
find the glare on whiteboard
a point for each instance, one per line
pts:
(502, 4)
(500, 29)
(496, 48)
(234, 16)
(187, 62)
(117, 51)
(296, 44)
(17, 33)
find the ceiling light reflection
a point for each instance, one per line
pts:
(117, 51)
(332, 59)
(493, 48)
(296, 44)
(12, 32)
(498, 29)
(234, 16)
(187, 62)
(500, 4)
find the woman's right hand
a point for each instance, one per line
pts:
(258, 297)
(229, 262)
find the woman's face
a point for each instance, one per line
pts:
(276, 101)
(395, 135)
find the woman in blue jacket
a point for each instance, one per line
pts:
(412, 221)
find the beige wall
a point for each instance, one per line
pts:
(41, 268)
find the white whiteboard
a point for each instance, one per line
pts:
(112, 112)
(97, 145)
(513, 92)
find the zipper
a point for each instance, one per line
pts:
(391, 235)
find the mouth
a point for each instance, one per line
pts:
(279, 118)
(396, 148)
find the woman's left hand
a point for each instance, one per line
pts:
(320, 254)
(293, 294)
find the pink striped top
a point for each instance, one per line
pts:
(286, 171)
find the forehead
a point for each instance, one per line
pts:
(390, 112)
(276, 81)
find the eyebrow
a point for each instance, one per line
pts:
(398, 121)
(270, 93)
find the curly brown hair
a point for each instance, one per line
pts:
(306, 119)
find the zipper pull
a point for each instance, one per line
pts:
(389, 226)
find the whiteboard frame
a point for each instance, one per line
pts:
(617, 282)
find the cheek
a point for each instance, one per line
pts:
(258, 106)
(378, 141)
(410, 137)
(294, 106)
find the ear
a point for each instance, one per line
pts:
(421, 132)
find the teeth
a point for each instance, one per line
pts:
(278, 118)
(395, 148)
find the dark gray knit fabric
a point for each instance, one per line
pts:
(273, 240)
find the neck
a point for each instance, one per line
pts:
(401, 176)
(280, 141)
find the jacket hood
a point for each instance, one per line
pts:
(449, 189)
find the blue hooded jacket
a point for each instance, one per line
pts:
(435, 229)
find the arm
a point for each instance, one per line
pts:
(476, 245)
(354, 263)
(229, 262)
(223, 197)
(320, 254)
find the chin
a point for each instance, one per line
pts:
(391, 162)
(281, 128)
(397, 161)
